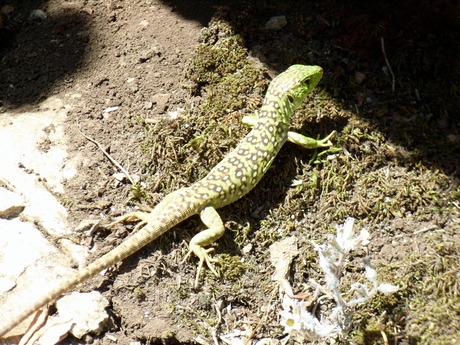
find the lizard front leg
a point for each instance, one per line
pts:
(310, 143)
(297, 138)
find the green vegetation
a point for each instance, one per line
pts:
(390, 168)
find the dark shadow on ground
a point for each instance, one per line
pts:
(200, 11)
(50, 50)
(420, 45)
(419, 59)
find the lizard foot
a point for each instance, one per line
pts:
(132, 217)
(203, 255)
(326, 142)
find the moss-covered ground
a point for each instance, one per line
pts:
(391, 91)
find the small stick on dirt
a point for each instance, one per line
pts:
(111, 159)
(382, 43)
(262, 319)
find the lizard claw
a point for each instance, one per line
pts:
(203, 255)
(132, 217)
(326, 142)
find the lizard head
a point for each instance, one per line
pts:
(291, 87)
(299, 81)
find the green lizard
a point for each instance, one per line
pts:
(228, 181)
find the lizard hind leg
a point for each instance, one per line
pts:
(215, 230)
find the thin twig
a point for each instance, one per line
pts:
(111, 159)
(262, 319)
(382, 43)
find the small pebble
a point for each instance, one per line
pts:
(276, 23)
(110, 109)
(6, 9)
(359, 77)
(37, 15)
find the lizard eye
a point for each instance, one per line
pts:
(290, 98)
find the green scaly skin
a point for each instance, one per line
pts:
(228, 181)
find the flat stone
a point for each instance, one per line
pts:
(161, 101)
(34, 173)
(33, 164)
(29, 265)
(86, 310)
(276, 23)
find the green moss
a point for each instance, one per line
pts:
(434, 300)
(221, 53)
(139, 193)
(231, 267)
